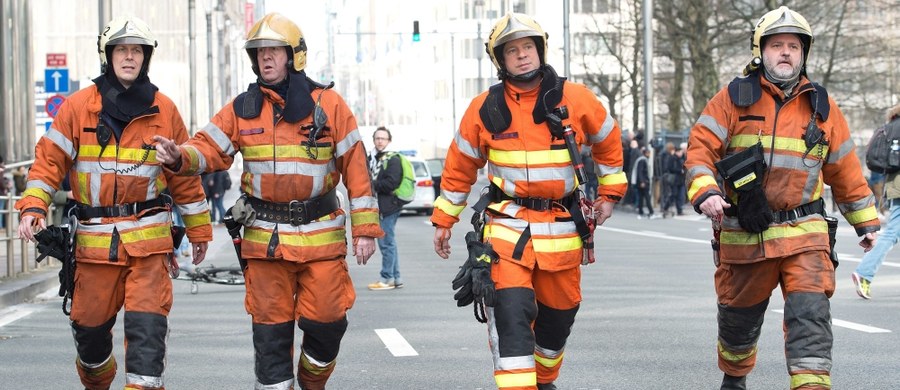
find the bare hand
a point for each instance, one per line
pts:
(199, 251)
(442, 242)
(167, 152)
(27, 231)
(363, 248)
(603, 209)
(714, 207)
(868, 241)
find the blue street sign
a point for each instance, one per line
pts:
(51, 106)
(56, 80)
(47, 125)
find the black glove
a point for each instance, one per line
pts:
(52, 241)
(463, 283)
(474, 277)
(754, 215)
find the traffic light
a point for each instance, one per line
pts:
(416, 36)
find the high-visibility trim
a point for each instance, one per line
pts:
(196, 159)
(516, 380)
(91, 241)
(53, 135)
(466, 148)
(196, 219)
(534, 174)
(844, 150)
(219, 138)
(448, 208)
(734, 357)
(455, 197)
(605, 129)
(312, 365)
(782, 144)
(548, 362)
(40, 184)
(713, 125)
(521, 157)
(860, 216)
(508, 186)
(699, 183)
(731, 237)
(148, 233)
(798, 380)
(82, 184)
(613, 179)
(364, 217)
(346, 144)
(603, 170)
(93, 151)
(193, 207)
(315, 239)
(285, 152)
(541, 245)
(363, 202)
(513, 363)
(288, 167)
(106, 167)
(37, 193)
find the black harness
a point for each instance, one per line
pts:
(295, 212)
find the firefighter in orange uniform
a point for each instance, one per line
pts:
(535, 246)
(298, 139)
(102, 138)
(776, 139)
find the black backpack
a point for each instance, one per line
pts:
(880, 156)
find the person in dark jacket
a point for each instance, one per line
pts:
(640, 181)
(387, 174)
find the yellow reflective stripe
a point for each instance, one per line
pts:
(148, 233)
(263, 237)
(860, 216)
(94, 151)
(521, 157)
(358, 218)
(615, 178)
(90, 241)
(516, 380)
(447, 207)
(547, 362)
(285, 151)
(498, 207)
(781, 143)
(773, 232)
(37, 193)
(701, 182)
(133, 154)
(798, 380)
(734, 357)
(83, 188)
(194, 159)
(540, 245)
(196, 219)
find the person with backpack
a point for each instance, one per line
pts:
(871, 261)
(387, 178)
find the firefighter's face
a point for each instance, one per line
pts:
(381, 140)
(783, 55)
(127, 61)
(272, 63)
(520, 56)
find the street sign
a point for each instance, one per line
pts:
(53, 103)
(56, 80)
(56, 60)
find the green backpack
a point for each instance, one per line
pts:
(406, 191)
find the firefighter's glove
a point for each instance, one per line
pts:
(753, 211)
(473, 281)
(243, 212)
(52, 241)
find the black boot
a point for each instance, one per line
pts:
(734, 382)
(546, 386)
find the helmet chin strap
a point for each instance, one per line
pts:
(527, 76)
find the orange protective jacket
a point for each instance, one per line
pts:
(125, 171)
(524, 161)
(795, 175)
(278, 168)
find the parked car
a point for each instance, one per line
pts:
(436, 166)
(424, 200)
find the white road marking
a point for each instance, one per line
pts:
(14, 313)
(395, 342)
(851, 325)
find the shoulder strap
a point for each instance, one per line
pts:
(494, 112)
(248, 105)
(744, 91)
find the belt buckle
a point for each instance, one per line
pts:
(124, 209)
(545, 203)
(296, 206)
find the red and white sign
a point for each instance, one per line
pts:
(56, 60)
(248, 16)
(52, 105)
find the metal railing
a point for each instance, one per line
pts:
(20, 255)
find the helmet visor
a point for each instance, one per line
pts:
(258, 43)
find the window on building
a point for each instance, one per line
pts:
(594, 43)
(596, 6)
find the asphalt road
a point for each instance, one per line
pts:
(648, 321)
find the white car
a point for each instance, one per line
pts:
(424, 200)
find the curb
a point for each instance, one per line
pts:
(24, 288)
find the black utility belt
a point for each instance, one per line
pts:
(295, 212)
(814, 207)
(538, 204)
(83, 211)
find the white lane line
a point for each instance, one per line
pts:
(851, 325)
(654, 234)
(15, 313)
(395, 342)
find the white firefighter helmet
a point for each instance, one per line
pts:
(509, 28)
(126, 30)
(275, 30)
(781, 21)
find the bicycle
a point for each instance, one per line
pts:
(230, 275)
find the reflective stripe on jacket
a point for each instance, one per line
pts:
(125, 171)
(524, 161)
(278, 167)
(794, 177)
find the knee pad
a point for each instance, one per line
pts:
(145, 334)
(552, 327)
(739, 327)
(807, 317)
(94, 344)
(514, 311)
(322, 340)
(274, 345)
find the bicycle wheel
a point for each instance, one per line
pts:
(222, 275)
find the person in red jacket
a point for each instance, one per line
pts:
(776, 139)
(298, 140)
(517, 129)
(102, 140)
